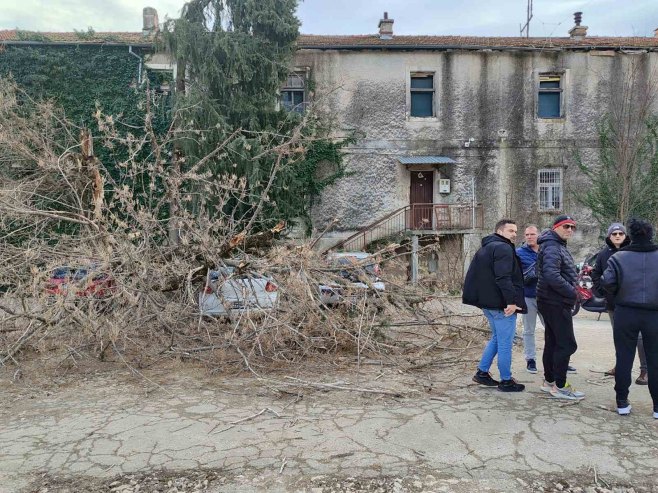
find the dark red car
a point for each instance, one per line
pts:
(87, 282)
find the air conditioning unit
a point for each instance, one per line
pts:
(444, 185)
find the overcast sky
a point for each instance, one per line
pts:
(458, 17)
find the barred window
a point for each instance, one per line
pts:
(550, 189)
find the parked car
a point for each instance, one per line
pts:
(81, 282)
(362, 273)
(228, 293)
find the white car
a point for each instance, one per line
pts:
(228, 293)
(361, 270)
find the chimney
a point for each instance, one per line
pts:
(151, 24)
(386, 27)
(578, 31)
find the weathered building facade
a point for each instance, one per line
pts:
(505, 120)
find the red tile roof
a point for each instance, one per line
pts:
(311, 41)
(366, 41)
(17, 36)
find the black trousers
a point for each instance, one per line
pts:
(559, 341)
(629, 322)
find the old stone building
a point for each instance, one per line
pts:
(455, 121)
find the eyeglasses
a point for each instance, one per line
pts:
(569, 226)
(617, 233)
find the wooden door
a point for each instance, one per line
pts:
(421, 196)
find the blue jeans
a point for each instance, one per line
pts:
(502, 337)
(529, 324)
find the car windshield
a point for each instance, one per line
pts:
(61, 273)
(353, 274)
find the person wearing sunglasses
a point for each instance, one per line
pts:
(616, 239)
(632, 277)
(556, 295)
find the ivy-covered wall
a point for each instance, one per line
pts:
(77, 77)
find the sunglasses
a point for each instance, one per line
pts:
(618, 233)
(569, 226)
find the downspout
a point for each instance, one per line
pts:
(139, 73)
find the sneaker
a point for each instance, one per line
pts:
(655, 412)
(484, 378)
(571, 369)
(610, 372)
(510, 386)
(567, 392)
(643, 379)
(531, 366)
(623, 407)
(547, 386)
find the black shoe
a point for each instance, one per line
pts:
(484, 378)
(531, 366)
(510, 386)
(623, 407)
(571, 369)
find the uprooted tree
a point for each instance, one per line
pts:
(624, 183)
(61, 206)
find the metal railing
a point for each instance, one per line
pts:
(430, 218)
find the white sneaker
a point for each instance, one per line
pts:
(655, 414)
(547, 386)
(567, 392)
(623, 407)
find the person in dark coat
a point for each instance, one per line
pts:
(494, 283)
(556, 296)
(632, 278)
(616, 238)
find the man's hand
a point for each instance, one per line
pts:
(510, 310)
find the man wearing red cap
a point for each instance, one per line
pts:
(556, 295)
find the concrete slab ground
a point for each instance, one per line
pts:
(197, 432)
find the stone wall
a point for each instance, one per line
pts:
(485, 98)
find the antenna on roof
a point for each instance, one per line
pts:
(526, 27)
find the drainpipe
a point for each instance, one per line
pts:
(139, 73)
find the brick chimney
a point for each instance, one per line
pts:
(151, 25)
(385, 27)
(578, 31)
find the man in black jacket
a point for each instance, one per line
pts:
(616, 239)
(556, 295)
(632, 277)
(494, 283)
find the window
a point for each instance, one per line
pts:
(422, 95)
(550, 189)
(293, 93)
(550, 96)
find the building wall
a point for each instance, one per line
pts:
(486, 98)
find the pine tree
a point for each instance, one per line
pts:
(234, 55)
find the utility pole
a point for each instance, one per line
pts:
(526, 28)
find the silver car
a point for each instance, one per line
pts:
(361, 270)
(228, 293)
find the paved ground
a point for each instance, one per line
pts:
(198, 432)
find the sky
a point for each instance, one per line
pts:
(431, 17)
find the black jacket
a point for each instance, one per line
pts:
(495, 278)
(632, 276)
(556, 271)
(600, 266)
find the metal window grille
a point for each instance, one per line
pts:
(550, 189)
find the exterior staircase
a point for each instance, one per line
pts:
(420, 219)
